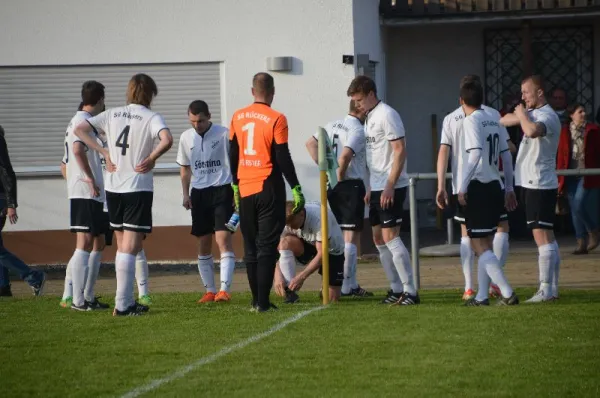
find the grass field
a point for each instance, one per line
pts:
(357, 348)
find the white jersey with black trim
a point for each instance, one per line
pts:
(536, 160)
(131, 132)
(311, 230)
(452, 135)
(349, 132)
(77, 187)
(382, 125)
(207, 155)
(483, 131)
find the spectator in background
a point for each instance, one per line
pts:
(8, 209)
(558, 102)
(579, 148)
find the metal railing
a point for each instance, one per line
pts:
(414, 227)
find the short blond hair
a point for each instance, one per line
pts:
(141, 90)
(536, 80)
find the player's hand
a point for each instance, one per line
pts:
(462, 198)
(11, 214)
(520, 111)
(298, 199)
(145, 166)
(441, 199)
(110, 166)
(368, 197)
(296, 283)
(386, 199)
(94, 190)
(510, 201)
(236, 197)
(187, 202)
(279, 284)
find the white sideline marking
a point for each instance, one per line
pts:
(221, 353)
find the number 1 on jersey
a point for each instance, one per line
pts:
(122, 140)
(249, 127)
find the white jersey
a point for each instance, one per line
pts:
(130, 135)
(207, 156)
(483, 131)
(349, 132)
(452, 135)
(77, 188)
(311, 230)
(383, 124)
(536, 160)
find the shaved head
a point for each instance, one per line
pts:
(263, 84)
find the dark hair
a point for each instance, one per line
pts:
(92, 92)
(263, 83)
(536, 80)
(573, 107)
(470, 78)
(361, 85)
(80, 107)
(472, 94)
(197, 107)
(141, 90)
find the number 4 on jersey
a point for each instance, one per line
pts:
(122, 140)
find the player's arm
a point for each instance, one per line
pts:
(314, 264)
(8, 178)
(509, 120)
(63, 170)
(399, 157)
(85, 133)
(282, 152)
(474, 147)
(442, 163)
(312, 146)
(344, 162)
(234, 155)
(165, 143)
(185, 171)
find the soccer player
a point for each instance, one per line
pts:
(386, 162)
(131, 132)
(86, 197)
(346, 200)
(301, 241)
(259, 156)
(453, 142)
(204, 159)
(481, 190)
(535, 172)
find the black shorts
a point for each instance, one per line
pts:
(485, 205)
(87, 215)
(459, 214)
(390, 217)
(347, 202)
(336, 263)
(212, 208)
(540, 207)
(131, 211)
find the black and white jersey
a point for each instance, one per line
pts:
(383, 124)
(311, 230)
(77, 188)
(131, 132)
(349, 132)
(536, 160)
(207, 156)
(452, 135)
(484, 132)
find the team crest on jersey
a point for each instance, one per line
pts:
(214, 144)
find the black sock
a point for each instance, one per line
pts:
(251, 270)
(266, 272)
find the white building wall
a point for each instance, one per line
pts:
(240, 34)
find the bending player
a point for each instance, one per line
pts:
(301, 241)
(204, 159)
(453, 142)
(481, 190)
(346, 200)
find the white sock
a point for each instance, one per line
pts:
(93, 269)
(467, 258)
(494, 271)
(287, 265)
(350, 255)
(387, 262)
(207, 273)
(79, 271)
(546, 266)
(501, 247)
(141, 273)
(68, 291)
(227, 267)
(125, 270)
(556, 270)
(483, 281)
(402, 263)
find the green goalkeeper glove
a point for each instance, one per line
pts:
(236, 197)
(298, 199)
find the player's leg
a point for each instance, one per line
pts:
(341, 206)
(249, 229)
(292, 248)
(203, 229)
(385, 256)
(222, 211)
(354, 219)
(501, 246)
(336, 276)
(142, 276)
(467, 255)
(391, 219)
(82, 221)
(99, 228)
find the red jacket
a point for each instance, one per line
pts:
(591, 145)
